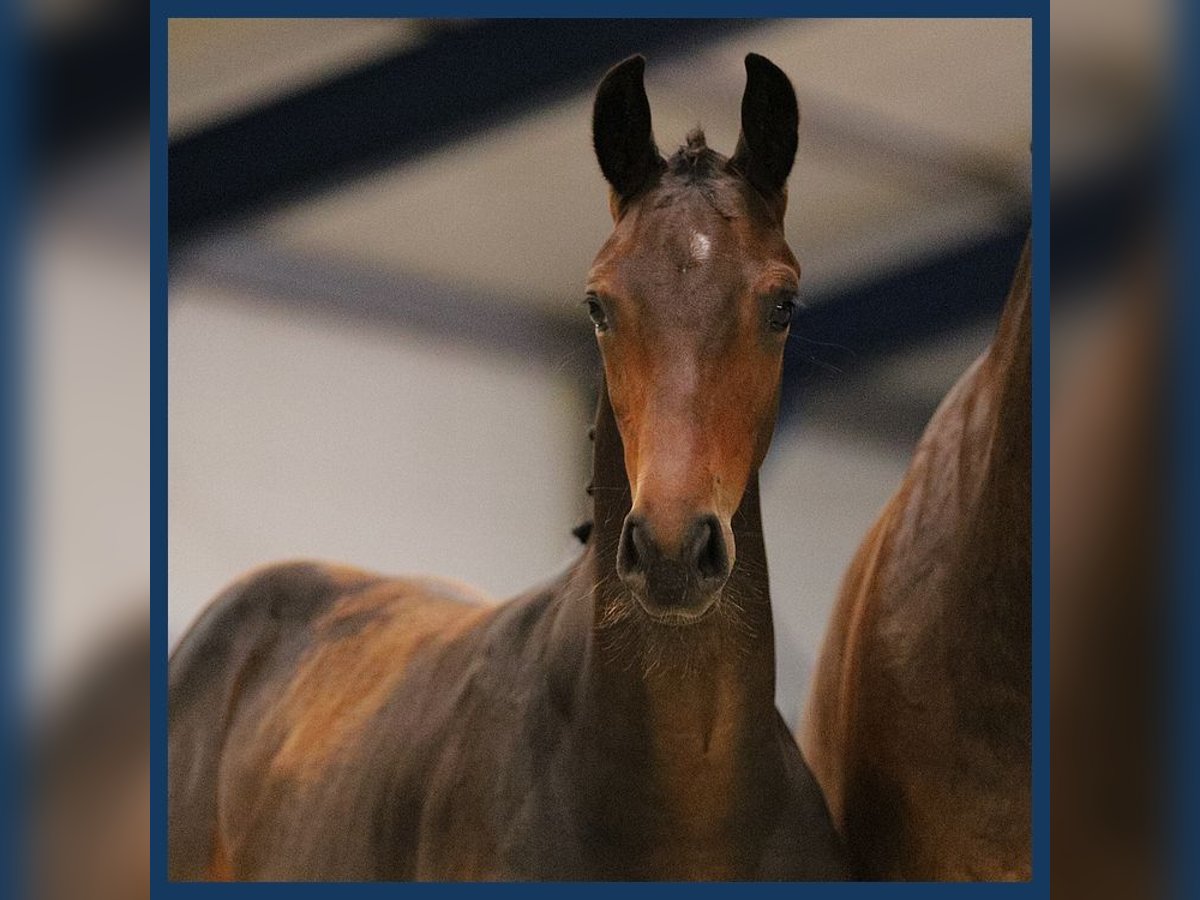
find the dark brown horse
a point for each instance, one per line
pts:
(616, 723)
(918, 721)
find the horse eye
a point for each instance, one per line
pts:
(780, 316)
(596, 314)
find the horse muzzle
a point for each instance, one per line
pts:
(675, 585)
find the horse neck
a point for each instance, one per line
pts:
(1001, 526)
(997, 534)
(709, 690)
(1010, 360)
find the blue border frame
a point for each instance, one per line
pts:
(14, 197)
(1036, 10)
(158, 448)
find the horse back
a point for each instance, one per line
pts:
(274, 683)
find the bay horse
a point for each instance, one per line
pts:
(616, 723)
(917, 723)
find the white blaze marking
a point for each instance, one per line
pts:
(699, 247)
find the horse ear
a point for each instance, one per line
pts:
(621, 132)
(766, 147)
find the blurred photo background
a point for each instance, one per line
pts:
(379, 231)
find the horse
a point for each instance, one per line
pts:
(917, 724)
(616, 723)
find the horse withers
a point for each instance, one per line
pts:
(615, 723)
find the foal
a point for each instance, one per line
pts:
(616, 723)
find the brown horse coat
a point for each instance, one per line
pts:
(918, 720)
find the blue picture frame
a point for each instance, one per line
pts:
(1035, 10)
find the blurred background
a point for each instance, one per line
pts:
(379, 236)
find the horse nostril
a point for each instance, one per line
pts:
(708, 549)
(631, 555)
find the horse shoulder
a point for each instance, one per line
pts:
(496, 736)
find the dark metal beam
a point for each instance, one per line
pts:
(836, 334)
(839, 331)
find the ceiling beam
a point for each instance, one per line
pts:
(963, 286)
(835, 334)
(448, 89)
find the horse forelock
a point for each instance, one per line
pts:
(696, 167)
(695, 160)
